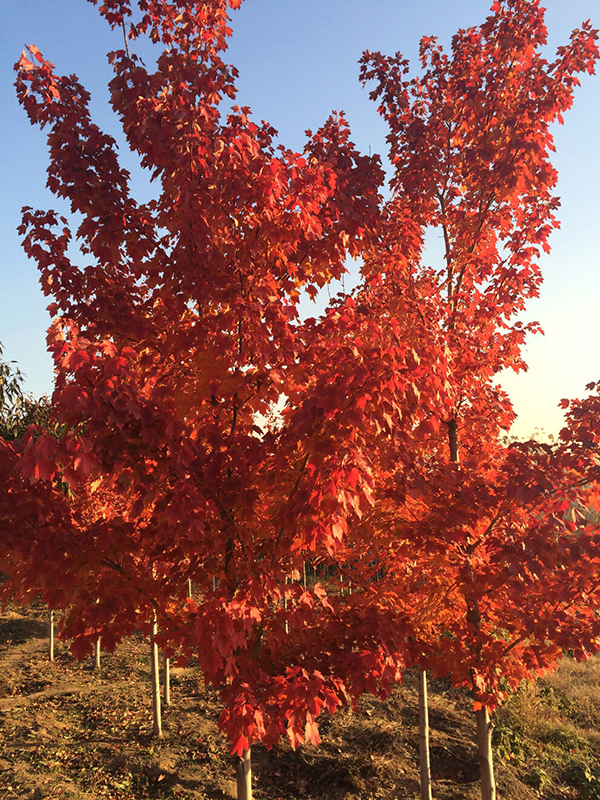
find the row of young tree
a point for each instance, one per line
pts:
(202, 430)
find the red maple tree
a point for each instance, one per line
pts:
(174, 340)
(470, 147)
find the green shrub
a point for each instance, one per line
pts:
(537, 778)
(584, 778)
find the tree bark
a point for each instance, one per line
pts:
(51, 635)
(484, 751)
(284, 606)
(166, 680)
(155, 673)
(97, 646)
(453, 440)
(424, 738)
(484, 726)
(243, 774)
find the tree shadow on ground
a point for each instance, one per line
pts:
(19, 631)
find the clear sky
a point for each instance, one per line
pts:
(297, 63)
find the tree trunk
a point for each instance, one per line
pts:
(155, 672)
(424, 737)
(484, 726)
(243, 774)
(484, 750)
(284, 606)
(190, 587)
(51, 635)
(97, 647)
(166, 680)
(453, 440)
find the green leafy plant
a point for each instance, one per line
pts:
(537, 778)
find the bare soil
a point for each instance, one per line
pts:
(71, 732)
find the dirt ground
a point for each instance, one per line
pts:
(71, 732)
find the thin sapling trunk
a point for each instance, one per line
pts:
(243, 774)
(51, 635)
(155, 677)
(484, 751)
(166, 680)
(482, 719)
(424, 738)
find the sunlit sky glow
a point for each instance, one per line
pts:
(297, 63)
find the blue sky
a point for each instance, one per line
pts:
(297, 63)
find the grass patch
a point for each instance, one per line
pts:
(550, 732)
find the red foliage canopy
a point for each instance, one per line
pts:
(179, 340)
